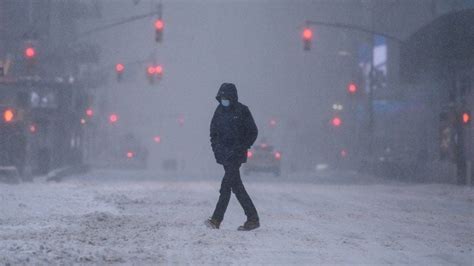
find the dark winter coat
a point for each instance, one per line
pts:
(233, 130)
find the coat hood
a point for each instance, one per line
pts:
(228, 91)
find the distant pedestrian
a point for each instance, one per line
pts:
(233, 132)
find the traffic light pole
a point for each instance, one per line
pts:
(353, 28)
(370, 107)
(371, 126)
(157, 12)
(121, 22)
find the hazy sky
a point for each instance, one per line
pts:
(254, 44)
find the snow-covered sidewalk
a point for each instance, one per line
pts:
(133, 217)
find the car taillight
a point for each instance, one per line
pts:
(130, 154)
(343, 153)
(277, 155)
(249, 154)
(8, 115)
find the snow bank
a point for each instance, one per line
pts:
(137, 217)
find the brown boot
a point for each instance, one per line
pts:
(249, 225)
(212, 223)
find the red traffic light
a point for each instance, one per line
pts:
(89, 112)
(273, 122)
(151, 70)
(113, 118)
(466, 117)
(157, 139)
(352, 88)
(307, 34)
(119, 68)
(159, 69)
(159, 24)
(277, 155)
(8, 115)
(307, 38)
(336, 121)
(249, 154)
(30, 52)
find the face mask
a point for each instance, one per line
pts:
(225, 103)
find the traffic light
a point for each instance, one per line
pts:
(150, 73)
(119, 68)
(277, 155)
(159, 26)
(151, 70)
(273, 122)
(30, 56)
(89, 112)
(159, 71)
(352, 88)
(154, 71)
(465, 117)
(307, 38)
(8, 115)
(249, 154)
(113, 118)
(336, 121)
(157, 139)
(30, 53)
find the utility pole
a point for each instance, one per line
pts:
(370, 105)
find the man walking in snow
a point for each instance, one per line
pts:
(233, 132)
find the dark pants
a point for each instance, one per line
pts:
(233, 182)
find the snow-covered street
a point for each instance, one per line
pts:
(138, 217)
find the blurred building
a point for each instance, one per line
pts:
(423, 73)
(432, 71)
(437, 60)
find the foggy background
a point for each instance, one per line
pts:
(254, 44)
(293, 93)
